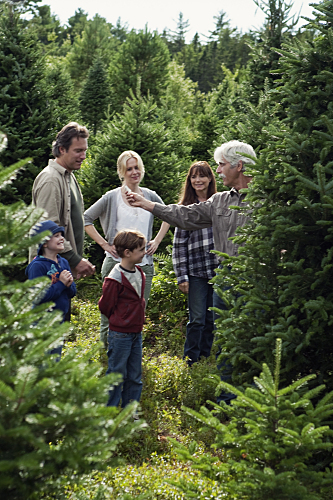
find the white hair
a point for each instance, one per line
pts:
(232, 152)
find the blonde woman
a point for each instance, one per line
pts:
(115, 214)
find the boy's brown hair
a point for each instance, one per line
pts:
(128, 240)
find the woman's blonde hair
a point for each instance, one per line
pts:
(122, 164)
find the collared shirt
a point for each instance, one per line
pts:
(191, 254)
(52, 192)
(214, 212)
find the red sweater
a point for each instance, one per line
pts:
(122, 305)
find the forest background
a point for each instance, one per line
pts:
(173, 102)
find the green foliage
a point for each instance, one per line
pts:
(95, 96)
(94, 42)
(53, 418)
(269, 441)
(148, 481)
(62, 95)
(25, 113)
(166, 310)
(143, 57)
(203, 61)
(76, 24)
(47, 27)
(278, 29)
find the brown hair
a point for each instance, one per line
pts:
(128, 240)
(188, 194)
(65, 136)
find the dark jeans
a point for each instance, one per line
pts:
(125, 357)
(199, 330)
(225, 366)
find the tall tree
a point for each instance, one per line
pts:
(278, 28)
(96, 40)
(62, 94)
(177, 37)
(76, 24)
(144, 56)
(47, 26)
(203, 61)
(285, 271)
(25, 112)
(95, 96)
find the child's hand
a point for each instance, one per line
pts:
(70, 281)
(66, 277)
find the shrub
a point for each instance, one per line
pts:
(149, 481)
(166, 310)
(270, 441)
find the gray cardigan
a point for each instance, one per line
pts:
(106, 210)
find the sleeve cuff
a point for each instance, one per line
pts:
(72, 258)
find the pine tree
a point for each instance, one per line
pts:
(47, 26)
(62, 95)
(284, 272)
(76, 24)
(54, 424)
(25, 112)
(177, 37)
(95, 96)
(143, 57)
(95, 41)
(278, 29)
(270, 441)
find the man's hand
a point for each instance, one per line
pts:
(66, 277)
(183, 287)
(136, 200)
(84, 268)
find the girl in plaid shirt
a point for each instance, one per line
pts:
(194, 265)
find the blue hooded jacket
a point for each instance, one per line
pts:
(57, 292)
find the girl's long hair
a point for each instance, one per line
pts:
(188, 194)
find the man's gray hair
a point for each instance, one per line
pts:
(232, 152)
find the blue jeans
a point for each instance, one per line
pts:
(199, 330)
(125, 357)
(225, 366)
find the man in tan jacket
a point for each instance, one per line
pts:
(57, 191)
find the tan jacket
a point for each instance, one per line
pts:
(51, 191)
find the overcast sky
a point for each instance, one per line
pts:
(160, 14)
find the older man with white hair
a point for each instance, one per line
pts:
(216, 210)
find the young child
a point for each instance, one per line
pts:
(124, 304)
(49, 263)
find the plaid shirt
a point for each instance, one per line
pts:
(191, 254)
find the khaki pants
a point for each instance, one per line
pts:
(107, 267)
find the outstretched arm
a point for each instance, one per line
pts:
(190, 217)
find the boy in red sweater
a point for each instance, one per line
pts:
(124, 304)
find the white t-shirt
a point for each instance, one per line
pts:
(134, 277)
(132, 218)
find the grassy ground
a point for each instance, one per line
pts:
(148, 461)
